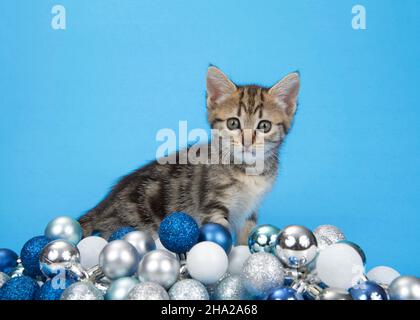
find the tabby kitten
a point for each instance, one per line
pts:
(253, 120)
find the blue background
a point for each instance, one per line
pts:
(80, 107)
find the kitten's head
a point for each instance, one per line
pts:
(254, 119)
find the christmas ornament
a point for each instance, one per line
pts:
(90, 248)
(261, 273)
(216, 233)
(284, 293)
(357, 248)
(263, 238)
(327, 235)
(8, 260)
(160, 246)
(52, 289)
(142, 241)
(382, 275)
(118, 259)
(405, 288)
(3, 278)
(230, 288)
(160, 267)
(340, 266)
(82, 291)
(58, 257)
(188, 289)
(178, 232)
(19, 288)
(237, 258)
(296, 246)
(207, 262)
(30, 255)
(334, 294)
(368, 290)
(120, 233)
(119, 289)
(148, 291)
(64, 228)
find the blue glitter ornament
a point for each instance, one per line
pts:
(30, 255)
(52, 289)
(8, 260)
(178, 232)
(216, 233)
(19, 288)
(120, 233)
(368, 290)
(284, 293)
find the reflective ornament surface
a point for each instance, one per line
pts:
(188, 289)
(65, 228)
(263, 238)
(120, 288)
(148, 291)
(230, 288)
(405, 288)
(296, 246)
(216, 233)
(142, 241)
(368, 290)
(284, 293)
(160, 267)
(327, 235)
(334, 294)
(262, 272)
(82, 291)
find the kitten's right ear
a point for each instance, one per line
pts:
(218, 86)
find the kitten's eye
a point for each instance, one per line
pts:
(233, 123)
(264, 125)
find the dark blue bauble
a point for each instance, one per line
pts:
(368, 290)
(8, 260)
(284, 293)
(30, 255)
(178, 232)
(120, 233)
(216, 233)
(19, 288)
(51, 290)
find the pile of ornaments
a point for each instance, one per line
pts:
(187, 262)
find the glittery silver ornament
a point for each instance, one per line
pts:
(263, 238)
(59, 256)
(261, 273)
(405, 288)
(296, 246)
(212, 287)
(148, 291)
(3, 278)
(119, 289)
(334, 294)
(118, 259)
(142, 241)
(188, 289)
(160, 267)
(237, 258)
(82, 291)
(230, 288)
(65, 228)
(327, 235)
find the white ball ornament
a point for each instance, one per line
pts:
(382, 275)
(90, 248)
(207, 262)
(340, 266)
(237, 258)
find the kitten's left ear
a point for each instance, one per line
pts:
(286, 91)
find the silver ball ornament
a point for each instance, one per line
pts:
(230, 288)
(118, 259)
(261, 273)
(263, 238)
(160, 267)
(148, 291)
(82, 291)
(405, 288)
(65, 228)
(188, 289)
(296, 246)
(3, 278)
(327, 235)
(142, 241)
(120, 288)
(57, 257)
(334, 294)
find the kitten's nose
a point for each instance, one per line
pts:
(248, 138)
